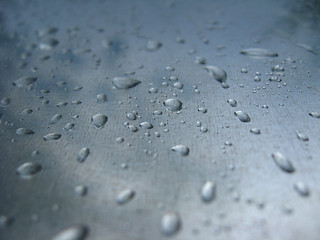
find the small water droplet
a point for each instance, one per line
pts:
(153, 45)
(131, 116)
(146, 125)
(83, 154)
(68, 126)
(208, 191)
(243, 116)
(200, 60)
(202, 110)
(182, 149)
(52, 136)
(255, 130)
(218, 73)
(56, 118)
(99, 120)
(26, 111)
(119, 140)
(101, 98)
(133, 128)
(157, 112)
(170, 223)
(81, 190)
(153, 90)
(178, 85)
(75, 232)
(125, 195)
(28, 170)
(277, 68)
(283, 162)
(5, 101)
(124, 82)
(232, 102)
(302, 189)
(302, 136)
(173, 104)
(24, 131)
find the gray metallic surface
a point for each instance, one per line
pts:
(254, 199)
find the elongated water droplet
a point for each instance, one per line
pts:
(302, 136)
(218, 73)
(5, 101)
(75, 232)
(68, 126)
(170, 223)
(182, 149)
(125, 195)
(56, 118)
(283, 162)
(302, 189)
(83, 154)
(232, 102)
(124, 82)
(24, 131)
(99, 120)
(146, 125)
(173, 104)
(52, 136)
(24, 81)
(28, 170)
(258, 52)
(243, 116)
(152, 45)
(26, 111)
(208, 191)
(315, 114)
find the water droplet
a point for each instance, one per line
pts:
(133, 128)
(257, 79)
(243, 70)
(75, 232)
(314, 114)
(83, 154)
(24, 131)
(255, 130)
(208, 191)
(224, 85)
(56, 118)
(258, 52)
(5, 101)
(178, 85)
(146, 125)
(283, 162)
(120, 140)
(173, 104)
(52, 136)
(152, 45)
(5, 221)
(243, 116)
(200, 60)
(302, 189)
(131, 116)
(125, 195)
(124, 82)
(170, 223)
(62, 104)
(232, 102)
(218, 73)
(26, 111)
(28, 170)
(302, 136)
(101, 98)
(99, 120)
(202, 110)
(277, 68)
(157, 112)
(153, 90)
(24, 81)
(182, 149)
(81, 190)
(68, 126)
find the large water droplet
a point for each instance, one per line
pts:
(173, 104)
(28, 170)
(182, 149)
(218, 73)
(124, 82)
(24, 81)
(52, 136)
(243, 116)
(258, 52)
(125, 195)
(208, 191)
(315, 114)
(283, 162)
(99, 120)
(170, 223)
(24, 131)
(75, 232)
(83, 154)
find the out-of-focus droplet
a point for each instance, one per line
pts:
(283, 162)
(28, 170)
(124, 82)
(125, 195)
(258, 52)
(302, 189)
(170, 223)
(81, 190)
(24, 81)
(182, 149)
(83, 154)
(75, 232)
(217, 73)
(153, 45)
